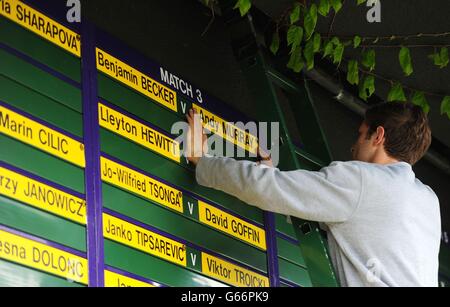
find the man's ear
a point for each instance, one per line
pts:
(379, 136)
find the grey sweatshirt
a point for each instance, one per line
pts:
(383, 224)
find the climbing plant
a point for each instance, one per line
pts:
(305, 42)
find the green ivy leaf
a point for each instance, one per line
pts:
(309, 54)
(368, 59)
(329, 49)
(317, 42)
(336, 4)
(324, 7)
(296, 61)
(440, 59)
(295, 15)
(445, 106)
(310, 21)
(367, 88)
(359, 2)
(405, 61)
(362, 92)
(294, 36)
(396, 93)
(244, 6)
(357, 41)
(420, 100)
(444, 57)
(353, 72)
(338, 53)
(369, 85)
(275, 45)
(436, 58)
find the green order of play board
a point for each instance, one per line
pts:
(169, 232)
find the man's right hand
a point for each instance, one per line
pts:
(264, 158)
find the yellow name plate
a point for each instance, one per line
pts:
(42, 196)
(231, 273)
(232, 225)
(226, 130)
(139, 133)
(140, 184)
(114, 280)
(42, 257)
(138, 81)
(37, 135)
(144, 240)
(41, 25)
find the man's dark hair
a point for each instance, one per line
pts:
(407, 133)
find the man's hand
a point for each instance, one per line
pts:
(264, 158)
(196, 145)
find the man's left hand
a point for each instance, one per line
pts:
(196, 141)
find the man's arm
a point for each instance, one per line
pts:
(331, 195)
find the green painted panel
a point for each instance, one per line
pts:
(294, 273)
(283, 285)
(444, 261)
(136, 103)
(40, 106)
(290, 252)
(13, 275)
(444, 282)
(41, 50)
(41, 164)
(40, 81)
(284, 227)
(41, 224)
(153, 268)
(159, 166)
(306, 164)
(182, 227)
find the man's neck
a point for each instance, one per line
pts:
(384, 159)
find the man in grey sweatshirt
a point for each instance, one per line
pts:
(383, 224)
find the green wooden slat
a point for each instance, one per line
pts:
(294, 273)
(41, 164)
(307, 161)
(182, 227)
(39, 49)
(302, 106)
(40, 106)
(13, 275)
(150, 267)
(41, 224)
(40, 81)
(136, 103)
(444, 261)
(290, 252)
(284, 227)
(444, 282)
(158, 166)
